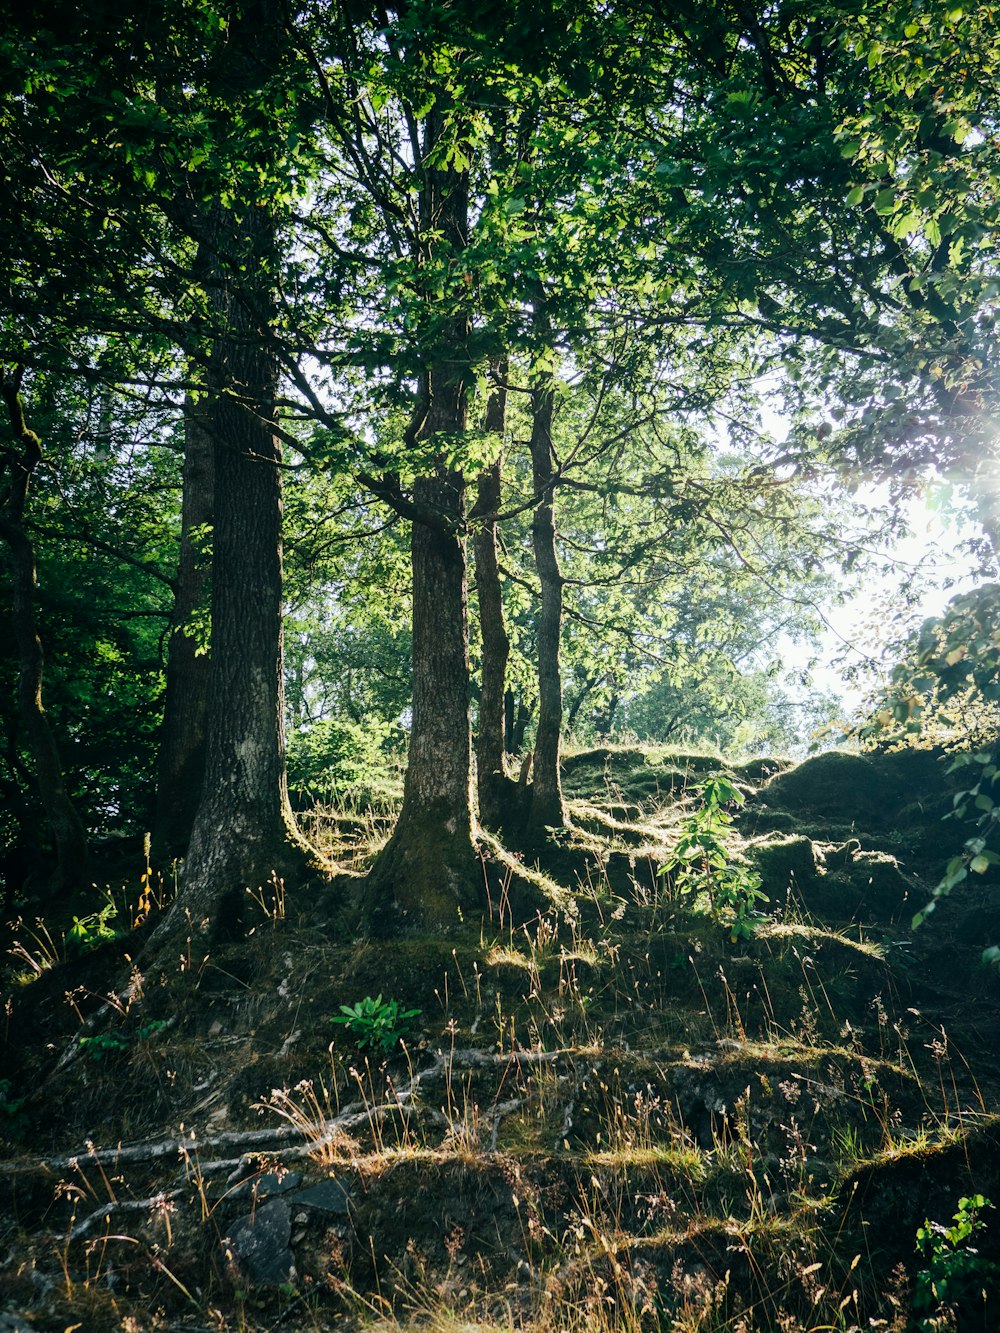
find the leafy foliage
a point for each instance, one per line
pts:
(375, 1023)
(955, 1275)
(104, 1046)
(702, 862)
(950, 680)
(338, 756)
(88, 932)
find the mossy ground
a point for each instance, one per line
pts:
(605, 1115)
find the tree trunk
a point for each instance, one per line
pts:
(429, 863)
(426, 874)
(604, 721)
(492, 782)
(590, 679)
(516, 716)
(244, 832)
(70, 839)
(547, 809)
(185, 713)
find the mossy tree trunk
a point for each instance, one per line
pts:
(20, 460)
(244, 831)
(426, 872)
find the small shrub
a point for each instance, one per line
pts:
(87, 932)
(103, 1045)
(376, 1023)
(702, 862)
(955, 1275)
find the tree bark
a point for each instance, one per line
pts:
(516, 716)
(185, 714)
(244, 831)
(547, 809)
(69, 836)
(492, 782)
(590, 679)
(428, 867)
(426, 874)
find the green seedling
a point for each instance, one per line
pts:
(103, 1045)
(375, 1023)
(702, 862)
(87, 932)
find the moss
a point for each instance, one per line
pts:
(869, 887)
(594, 820)
(921, 772)
(632, 1033)
(784, 863)
(610, 757)
(760, 770)
(635, 774)
(757, 819)
(841, 787)
(885, 1199)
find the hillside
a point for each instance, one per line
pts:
(606, 1110)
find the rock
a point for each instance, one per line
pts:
(267, 1184)
(15, 1323)
(758, 819)
(838, 856)
(869, 888)
(261, 1243)
(921, 772)
(884, 892)
(625, 870)
(329, 1196)
(623, 756)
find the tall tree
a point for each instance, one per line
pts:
(492, 783)
(427, 866)
(546, 792)
(181, 761)
(244, 832)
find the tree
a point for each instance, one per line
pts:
(195, 263)
(181, 762)
(244, 831)
(493, 783)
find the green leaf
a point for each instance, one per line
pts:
(885, 201)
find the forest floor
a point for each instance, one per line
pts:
(605, 1115)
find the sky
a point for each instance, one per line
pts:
(859, 628)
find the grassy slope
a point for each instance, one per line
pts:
(606, 1113)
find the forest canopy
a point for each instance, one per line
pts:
(440, 384)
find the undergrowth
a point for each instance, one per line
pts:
(615, 1117)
